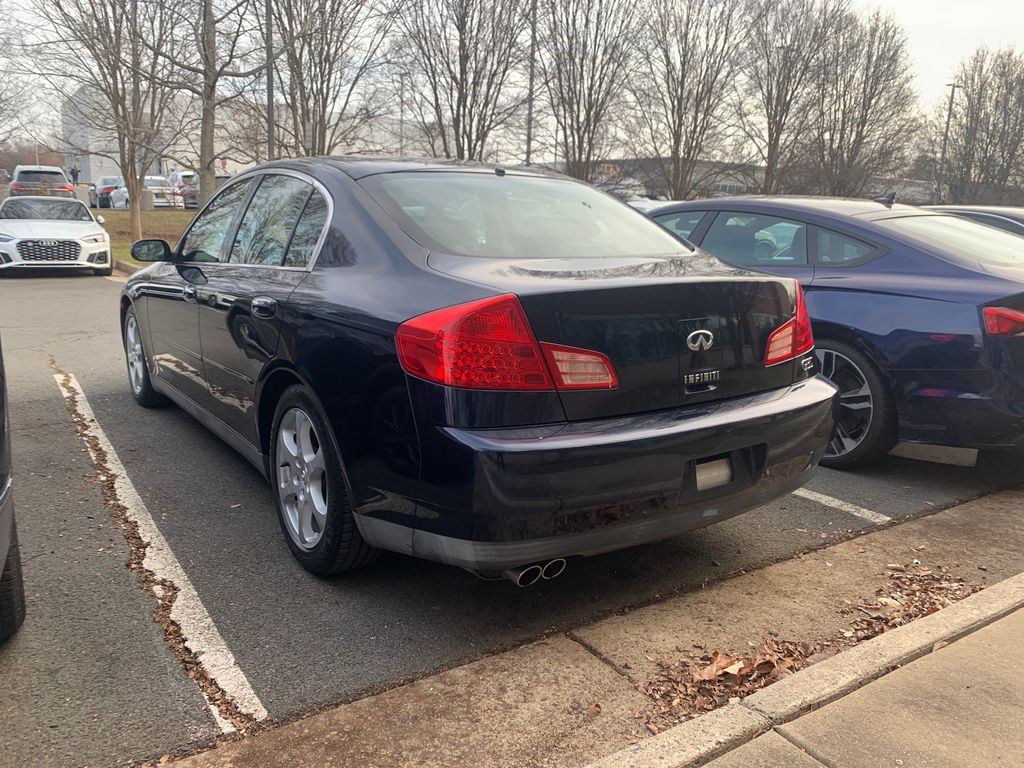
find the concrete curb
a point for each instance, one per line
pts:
(698, 741)
(125, 268)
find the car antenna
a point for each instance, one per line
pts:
(499, 171)
(887, 199)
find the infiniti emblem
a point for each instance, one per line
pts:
(700, 340)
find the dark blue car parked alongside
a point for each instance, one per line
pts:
(491, 368)
(918, 315)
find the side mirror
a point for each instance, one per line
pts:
(151, 250)
(100, 220)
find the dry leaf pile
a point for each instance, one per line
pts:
(701, 681)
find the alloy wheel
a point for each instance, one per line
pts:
(856, 405)
(301, 478)
(136, 358)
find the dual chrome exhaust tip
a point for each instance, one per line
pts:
(528, 575)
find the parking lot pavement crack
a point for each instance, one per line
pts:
(187, 627)
(602, 658)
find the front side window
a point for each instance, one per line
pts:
(682, 223)
(205, 239)
(836, 249)
(521, 217)
(307, 233)
(755, 239)
(269, 221)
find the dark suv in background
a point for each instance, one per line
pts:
(12, 594)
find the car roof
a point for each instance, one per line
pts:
(360, 166)
(18, 168)
(999, 210)
(782, 204)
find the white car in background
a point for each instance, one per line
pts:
(52, 232)
(160, 186)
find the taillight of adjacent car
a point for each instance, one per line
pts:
(1000, 321)
(792, 339)
(488, 344)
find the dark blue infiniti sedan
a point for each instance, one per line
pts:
(918, 315)
(491, 368)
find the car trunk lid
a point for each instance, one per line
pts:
(678, 330)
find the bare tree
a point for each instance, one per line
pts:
(985, 152)
(784, 44)
(863, 117)
(584, 55)
(687, 57)
(461, 58)
(216, 41)
(332, 55)
(112, 87)
(12, 86)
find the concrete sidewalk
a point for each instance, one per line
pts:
(962, 705)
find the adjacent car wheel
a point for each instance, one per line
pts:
(12, 591)
(135, 357)
(866, 426)
(106, 271)
(311, 490)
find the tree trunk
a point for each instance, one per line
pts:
(207, 126)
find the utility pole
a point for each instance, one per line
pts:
(529, 93)
(941, 175)
(401, 113)
(271, 141)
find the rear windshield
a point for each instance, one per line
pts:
(110, 181)
(483, 214)
(156, 182)
(35, 177)
(961, 237)
(57, 210)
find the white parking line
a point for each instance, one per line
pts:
(197, 628)
(866, 514)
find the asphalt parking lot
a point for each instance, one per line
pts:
(91, 680)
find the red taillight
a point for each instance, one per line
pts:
(67, 188)
(579, 368)
(1000, 321)
(488, 344)
(484, 344)
(107, 190)
(16, 186)
(792, 339)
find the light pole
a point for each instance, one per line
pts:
(270, 80)
(941, 175)
(529, 92)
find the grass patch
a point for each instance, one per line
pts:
(165, 225)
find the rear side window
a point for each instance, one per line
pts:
(269, 221)
(521, 217)
(682, 223)
(750, 239)
(205, 240)
(38, 177)
(307, 233)
(837, 249)
(961, 238)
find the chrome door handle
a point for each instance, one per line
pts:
(263, 306)
(189, 292)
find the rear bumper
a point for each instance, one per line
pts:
(6, 519)
(969, 409)
(499, 498)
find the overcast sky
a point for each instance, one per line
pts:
(942, 32)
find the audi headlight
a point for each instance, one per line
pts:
(6, 238)
(95, 239)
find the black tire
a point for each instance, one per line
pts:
(882, 431)
(144, 395)
(340, 547)
(12, 590)
(106, 271)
